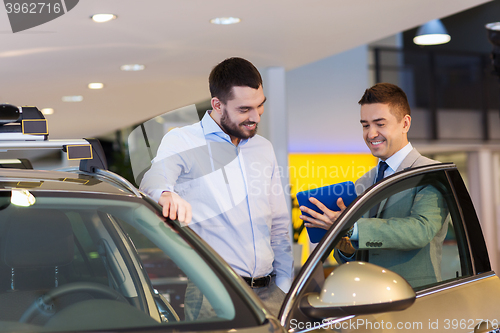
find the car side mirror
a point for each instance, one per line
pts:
(358, 288)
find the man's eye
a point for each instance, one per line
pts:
(366, 126)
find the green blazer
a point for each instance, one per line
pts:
(407, 236)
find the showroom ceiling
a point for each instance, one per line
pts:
(179, 46)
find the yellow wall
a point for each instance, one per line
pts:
(308, 171)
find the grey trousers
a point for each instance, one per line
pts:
(197, 307)
(272, 297)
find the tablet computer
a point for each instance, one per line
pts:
(328, 196)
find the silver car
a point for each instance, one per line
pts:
(83, 250)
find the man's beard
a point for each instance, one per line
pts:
(235, 130)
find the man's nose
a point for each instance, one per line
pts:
(372, 132)
(254, 116)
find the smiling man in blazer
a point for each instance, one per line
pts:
(404, 233)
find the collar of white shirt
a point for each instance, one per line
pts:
(209, 127)
(395, 160)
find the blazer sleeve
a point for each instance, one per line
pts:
(410, 220)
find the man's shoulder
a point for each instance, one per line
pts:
(187, 130)
(260, 140)
(184, 133)
(180, 139)
(415, 159)
(422, 160)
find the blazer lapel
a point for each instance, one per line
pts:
(407, 163)
(366, 181)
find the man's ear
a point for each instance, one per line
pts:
(406, 123)
(216, 105)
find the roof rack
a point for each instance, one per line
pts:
(22, 123)
(88, 151)
(119, 180)
(25, 128)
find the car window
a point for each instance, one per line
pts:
(170, 281)
(114, 260)
(410, 224)
(412, 228)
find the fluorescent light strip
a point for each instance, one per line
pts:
(225, 20)
(101, 18)
(96, 85)
(72, 98)
(132, 67)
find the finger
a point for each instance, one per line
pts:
(165, 210)
(310, 219)
(318, 203)
(322, 207)
(181, 212)
(340, 203)
(313, 223)
(313, 213)
(173, 211)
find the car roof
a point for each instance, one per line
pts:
(75, 181)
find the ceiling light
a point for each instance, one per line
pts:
(72, 98)
(225, 20)
(96, 85)
(100, 18)
(132, 67)
(432, 33)
(493, 30)
(47, 111)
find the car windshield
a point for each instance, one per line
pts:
(94, 262)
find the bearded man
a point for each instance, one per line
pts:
(222, 180)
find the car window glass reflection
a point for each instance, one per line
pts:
(74, 255)
(408, 229)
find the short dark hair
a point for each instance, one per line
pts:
(387, 93)
(233, 72)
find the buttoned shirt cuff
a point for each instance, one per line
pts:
(346, 258)
(284, 283)
(355, 233)
(354, 242)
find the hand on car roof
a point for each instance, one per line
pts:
(175, 208)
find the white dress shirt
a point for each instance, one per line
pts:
(236, 196)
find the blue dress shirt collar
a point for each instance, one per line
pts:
(210, 126)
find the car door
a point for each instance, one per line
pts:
(426, 230)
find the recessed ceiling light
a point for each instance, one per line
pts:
(47, 111)
(96, 85)
(132, 67)
(72, 98)
(100, 18)
(225, 20)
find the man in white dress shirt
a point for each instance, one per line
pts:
(223, 180)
